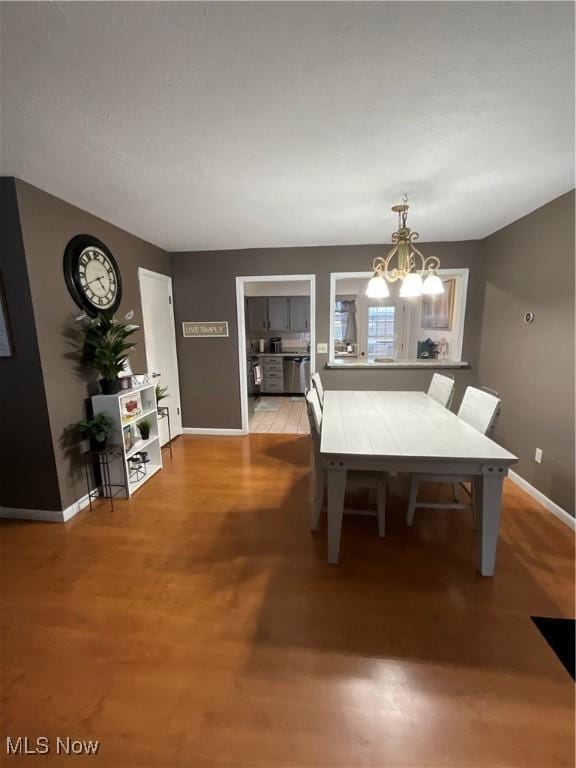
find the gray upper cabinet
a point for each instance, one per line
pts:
(278, 314)
(257, 312)
(300, 313)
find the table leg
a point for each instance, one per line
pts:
(476, 499)
(489, 519)
(336, 480)
(318, 497)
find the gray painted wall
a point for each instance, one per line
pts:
(529, 266)
(28, 477)
(511, 272)
(47, 225)
(205, 289)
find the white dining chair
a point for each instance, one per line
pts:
(441, 389)
(354, 478)
(317, 382)
(479, 408)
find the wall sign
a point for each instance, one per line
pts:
(197, 330)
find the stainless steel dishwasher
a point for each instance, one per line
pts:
(296, 374)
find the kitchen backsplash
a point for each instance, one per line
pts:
(290, 340)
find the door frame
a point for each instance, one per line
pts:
(167, 279)
(241, 321)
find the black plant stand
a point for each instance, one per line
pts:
(164, 413)
(101, 460)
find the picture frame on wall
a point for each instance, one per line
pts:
(438, 311)
(6, 342)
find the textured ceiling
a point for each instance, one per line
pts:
(233, 125)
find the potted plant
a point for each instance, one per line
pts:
(144, 429)
(161, 392)
(96, 430)
(105, 349)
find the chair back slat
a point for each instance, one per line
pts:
(317, 382)
(441, 389)
(479, 409)
(314, 412)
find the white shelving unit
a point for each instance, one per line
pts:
(126, 409)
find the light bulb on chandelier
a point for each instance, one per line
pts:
(377, 288)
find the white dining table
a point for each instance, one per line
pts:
(409, 432)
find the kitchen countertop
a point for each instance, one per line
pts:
(278, 354)
(345, 365)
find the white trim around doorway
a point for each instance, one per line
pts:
(242, 352)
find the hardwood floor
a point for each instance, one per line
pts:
(199, 625)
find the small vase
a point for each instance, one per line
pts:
(110, 386)
(97, 445)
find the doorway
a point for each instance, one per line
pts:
(160, 343)
(282, 315)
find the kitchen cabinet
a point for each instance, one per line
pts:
(299, 313)
(257, 313)
(272, 374)
(278, 313)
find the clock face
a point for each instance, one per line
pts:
(92, 275)
(97, 278)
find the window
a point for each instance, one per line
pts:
(396, 330)
(381, 332)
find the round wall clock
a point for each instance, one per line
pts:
(92, 275)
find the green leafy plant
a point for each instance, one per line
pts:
(144, 428)
(96, 429)
(105, 346)
(161, 392)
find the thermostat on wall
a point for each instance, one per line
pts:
(529, 317)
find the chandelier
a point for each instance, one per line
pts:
(417, 272)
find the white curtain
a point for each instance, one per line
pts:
(351, 333)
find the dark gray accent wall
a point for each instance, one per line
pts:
(529, 266)
(205, 289)
(47, 225)
(28, 476)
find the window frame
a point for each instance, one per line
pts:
(462, 273)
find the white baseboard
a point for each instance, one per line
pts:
(550, 505)
(40, 515)
(210, 431)
(46, 515)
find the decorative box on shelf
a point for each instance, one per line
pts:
(139, 457)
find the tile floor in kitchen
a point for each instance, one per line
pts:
(289, 415)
